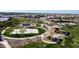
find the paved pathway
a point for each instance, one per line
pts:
(5, 43)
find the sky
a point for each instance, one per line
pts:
(43, 6)
(46, 11)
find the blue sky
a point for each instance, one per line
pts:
(56, 11)
(47, 11)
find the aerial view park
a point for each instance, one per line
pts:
(39, 30)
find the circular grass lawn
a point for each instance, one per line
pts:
(8, 31)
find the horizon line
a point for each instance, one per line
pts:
(44, 11)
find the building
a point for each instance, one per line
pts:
(27, 25)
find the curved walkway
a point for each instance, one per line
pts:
(19, 38)
(5, 43)
(45, 40)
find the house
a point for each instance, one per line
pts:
(27, 25)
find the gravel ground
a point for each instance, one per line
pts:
(20, 43)
(2, 46)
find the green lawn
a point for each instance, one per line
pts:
(74, 39)
(8, 31)
(22, 19)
